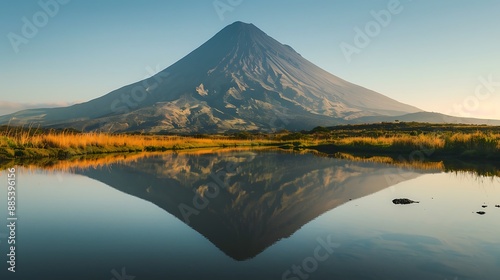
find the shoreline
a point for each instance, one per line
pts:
(482, 168)
(324, 148)
(404, 141)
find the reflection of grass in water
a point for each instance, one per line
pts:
(425, 165)
(78, 162)
(475, 168)
(446, 165)
(103, 160)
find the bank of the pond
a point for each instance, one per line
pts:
(407, 141)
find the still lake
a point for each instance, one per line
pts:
(251, 215)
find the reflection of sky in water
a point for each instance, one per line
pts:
(441, 237)
(73, 227)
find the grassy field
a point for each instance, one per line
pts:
(417, 140)
(409, 141)
(37, 143)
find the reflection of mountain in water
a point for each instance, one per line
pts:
(266, 196)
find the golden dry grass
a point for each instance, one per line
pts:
(66, 140)
(18, 142)
(419, 141)
(479, 141)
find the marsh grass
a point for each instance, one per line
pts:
(473, 144)
(32, 143)
(465, 141)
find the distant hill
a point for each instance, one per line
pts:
(429, 117)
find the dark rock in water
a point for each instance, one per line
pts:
(403, 201)
(497, 206)
(484, 206)
(481, 212)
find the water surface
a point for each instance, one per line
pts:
(253, 215)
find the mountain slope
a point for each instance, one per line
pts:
(239, 79)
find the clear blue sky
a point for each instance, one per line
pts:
(431, 54)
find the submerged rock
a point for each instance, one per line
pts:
(484, 206)
(481, 212)
(497, 206)
(403, 201)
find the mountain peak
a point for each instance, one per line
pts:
(241, 23)
(240, 79)
(242, 28)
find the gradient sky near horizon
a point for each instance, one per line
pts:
(435, 55)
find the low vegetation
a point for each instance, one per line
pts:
(38, 143)
(411, 141)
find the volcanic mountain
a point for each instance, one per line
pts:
(240, 79)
